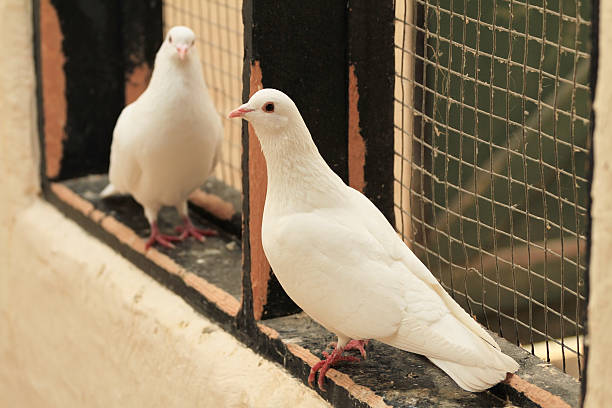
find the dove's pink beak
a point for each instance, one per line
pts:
(182, 51)
(240, 112)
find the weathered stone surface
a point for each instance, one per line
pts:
(216, 260)
(402, 379)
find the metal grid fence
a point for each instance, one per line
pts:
(492, 139)
(219, 31)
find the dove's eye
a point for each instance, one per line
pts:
(169, 38)
(268, 107)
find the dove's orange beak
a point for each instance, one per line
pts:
(182, 51)
(240, 112)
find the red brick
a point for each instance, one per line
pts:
(165, 262)
(213, 204)
(221, 298)
(71, 198)
(541, 397)
(268, 331)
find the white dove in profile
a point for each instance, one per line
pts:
(340, 260)
(167, 142)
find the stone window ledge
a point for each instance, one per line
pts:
(208, 277)
(81, 326)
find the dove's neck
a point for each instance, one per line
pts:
(171, 77)
(299, 179)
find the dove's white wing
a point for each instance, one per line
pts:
(384, 233)
(343, 277)
(454, 342)
(124, 171)
(217, 157)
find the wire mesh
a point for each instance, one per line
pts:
(492, 140)
(219, 31)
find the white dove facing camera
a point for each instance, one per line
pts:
(321, 235)
(167, 142)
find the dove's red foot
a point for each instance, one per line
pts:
(324, 365)
(355, 345)
(190, 230)
(158, 237)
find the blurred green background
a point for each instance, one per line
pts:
(501, 146)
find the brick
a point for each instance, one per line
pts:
(165, 262)
(71, 198)
(221, 298)
(268, 331)
(541, 397)
(213, 204)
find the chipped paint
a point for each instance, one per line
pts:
(268, 331)
(258, 182)
(356, 144)
(137, 82)
(54, 87)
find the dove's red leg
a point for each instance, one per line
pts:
(188, 229)
(158, 237)
(355, 345)
(324, 365)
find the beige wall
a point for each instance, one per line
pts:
(79, 325)
(599, 392)
(83, 327)
(17, 111)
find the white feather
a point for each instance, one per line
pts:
(109, 191)
(341, 261)
(165, 143)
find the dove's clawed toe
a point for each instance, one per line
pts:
(358, 345)
(188, 229)
(162, 239)
(331, 359)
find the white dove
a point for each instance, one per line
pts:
(341, 261)
(167, 142)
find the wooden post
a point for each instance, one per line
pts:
(299, 48)
(371, 75)
(94, 86)
(94, 56)
(142, 34)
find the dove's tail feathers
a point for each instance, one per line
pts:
(109, 190)
(476, 379)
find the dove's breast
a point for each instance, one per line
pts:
(177, 148)
(334, 274)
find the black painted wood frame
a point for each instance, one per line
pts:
(103, 42)
(313, 51)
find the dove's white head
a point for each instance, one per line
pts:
(276, 120)
(277, 123)
(292, 158)
(298, 177)
(180, 41)
(270, 111)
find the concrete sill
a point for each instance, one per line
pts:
(208, 277)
